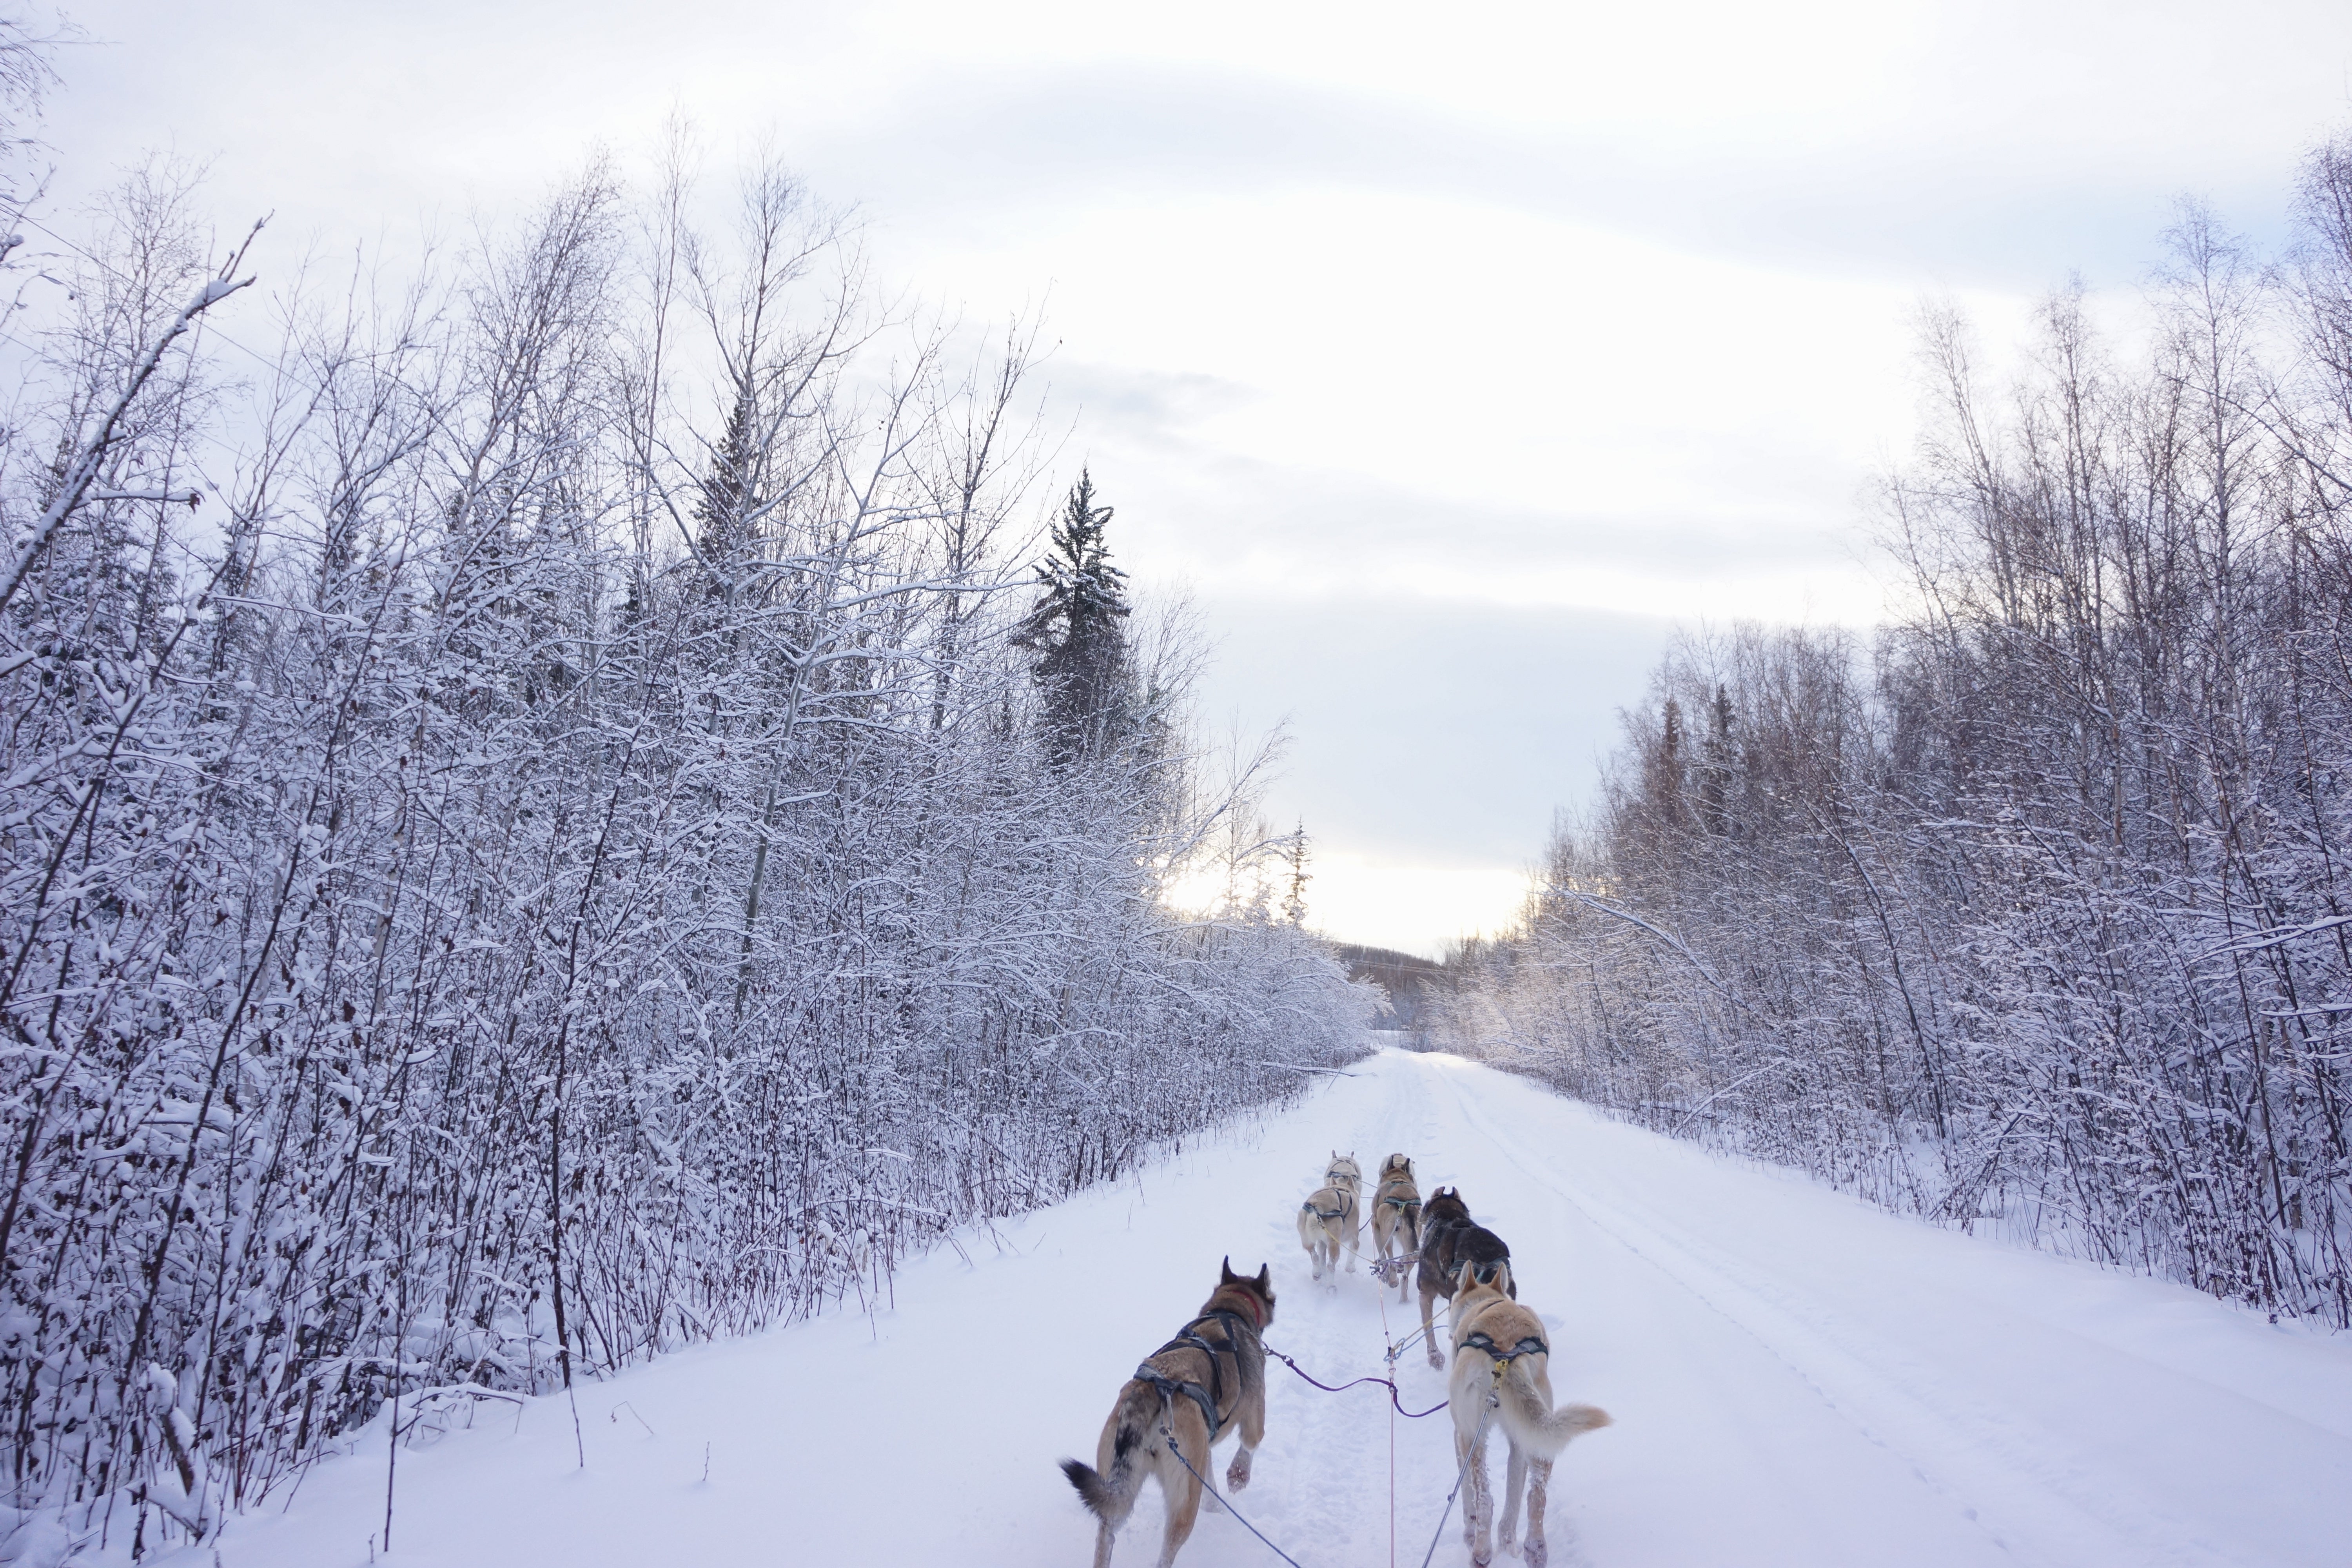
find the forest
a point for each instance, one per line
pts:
(599, 786)
(549, 811)
(2029, 912)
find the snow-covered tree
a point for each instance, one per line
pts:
(2030, 912)
(528, 836)
(1075, 631)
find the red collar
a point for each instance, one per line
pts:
(1258, 1311)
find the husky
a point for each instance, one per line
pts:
(1206, 1381)
(1502, 1378)
(1396, 1223)
(1332, 1217)
(1449, 1239)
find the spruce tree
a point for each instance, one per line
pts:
(722, 514)
(1294, 902)
(1081, 663)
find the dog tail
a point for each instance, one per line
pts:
(1093, 1490)
(1109, 1496)
(1413, 1226)
(1548, 1430)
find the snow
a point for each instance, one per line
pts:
(1796, 1378)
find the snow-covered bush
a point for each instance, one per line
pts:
(2035, 912)
(526, 839)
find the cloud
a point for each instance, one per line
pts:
(1450, 357)
(1425, 732)
(1976, 209)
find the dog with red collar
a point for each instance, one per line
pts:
(1207, 1382)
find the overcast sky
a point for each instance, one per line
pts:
(1448, 356)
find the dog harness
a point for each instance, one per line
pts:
(1530, 1345)
(1188, 1339)
(1339, 1213)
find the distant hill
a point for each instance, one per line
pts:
(1412, 982)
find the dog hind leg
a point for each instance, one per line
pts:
(1515, 1477)
(1538, 1493)
(1477, 1507)
(1182, 1491)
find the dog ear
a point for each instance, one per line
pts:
(1226, 1270)
(1502, 1277)
(1462, 1276)
(1266, 1276)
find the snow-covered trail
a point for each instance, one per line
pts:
(1796, 1378)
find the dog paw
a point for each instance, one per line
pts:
(1236, 1479)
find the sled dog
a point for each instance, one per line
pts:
(1332, 1216)
(1502, 1379)
(1206, 1381)
(1449, 1239)
(1396, 1223)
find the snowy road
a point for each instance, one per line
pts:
(1796, 1378)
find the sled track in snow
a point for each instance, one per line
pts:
(1797, 1379)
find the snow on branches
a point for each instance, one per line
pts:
(2031, 913)
(562, 858)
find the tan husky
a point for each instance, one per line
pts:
(1332, 1216)
(1502, 1378)
(1396, 1223)
(1206, 1381)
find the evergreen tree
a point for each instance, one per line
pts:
(1294, 902)
(722, 514)
(1082, 664)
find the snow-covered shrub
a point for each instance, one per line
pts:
(2035, 912)
(556, 855)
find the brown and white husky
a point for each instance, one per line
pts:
(1208, 1381)
(1396, 1223)
(1332, 1217)
(1502, 1378)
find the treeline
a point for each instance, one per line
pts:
(2034, 909)
(1405, 979)
(543, 816)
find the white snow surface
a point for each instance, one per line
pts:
(1796, 1378)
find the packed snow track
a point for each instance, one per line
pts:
(1796, 1378)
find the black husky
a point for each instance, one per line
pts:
(1450, 1238)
